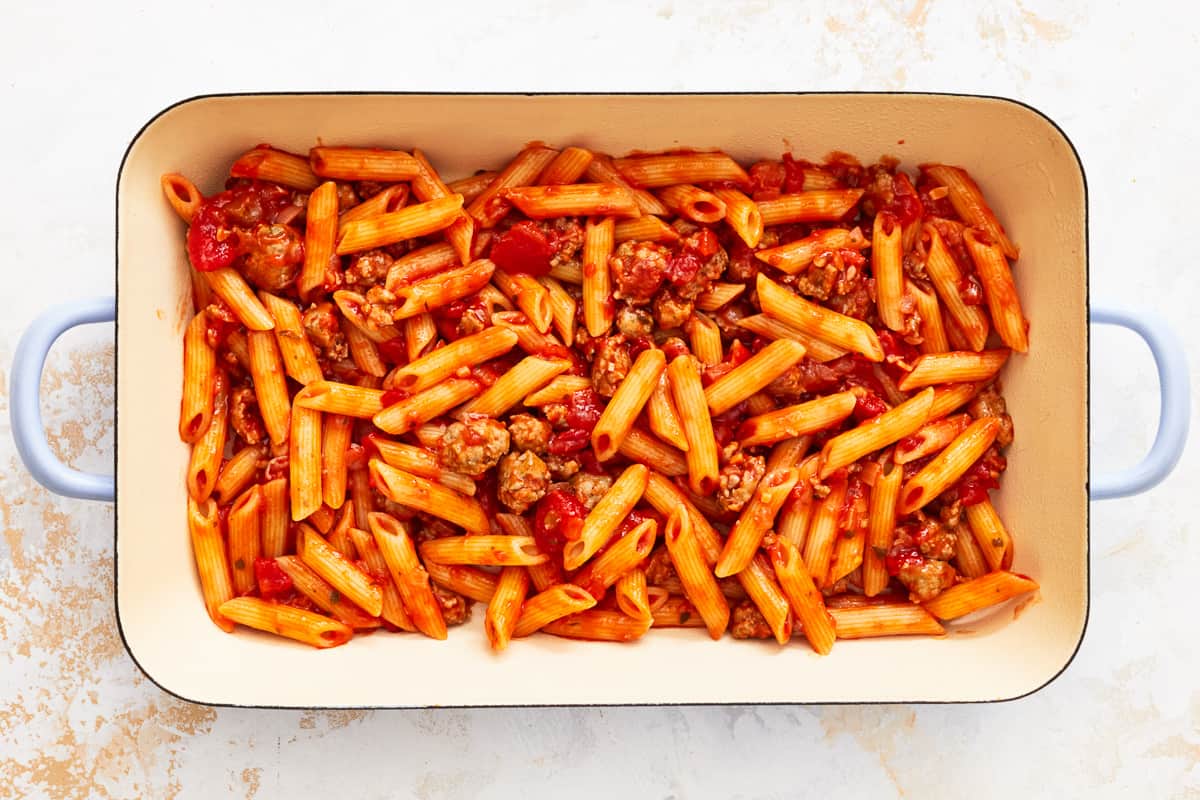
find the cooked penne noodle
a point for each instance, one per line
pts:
(951, 398)
(393, 605)
(336, 433)
(529, 338)
(705, 339)
(665, 497)
(567, 272)
(802, 594)
(954, 367)
(969, 204)
(304, 461)
(320, 235)
(204, 528)
(742, 214)
(990, 533)
(270, 388)
(473, 186)
(567, 167)
(823, 531)
(276, 517)
(597, 281)
(245, 543)
(491, 206)
(758, 579)
(645, 228)
(884, 619)
(930, 439)
(676, 612)
(887, 265)
(881, 529)
(351, 305)
(795, 257)
(444, 362)
(562, 309)
(557, 390)
(949, 465)
(622, 556)
(663, 416)
(645, 448)
(199, 380)
(956, 339)
(829, 326)
(718, 295)
(428, 185)
(205, 463)
(237, 473)
(293, 623)
(421, 494)
(442, 289)
(339, 536)
(771, 328)
(235, 343)
(809, 206)
(755, 520)
(322, 519)
(967, 556)
(470, 582)
(541, 575)
(299, 358)
(689, 397)
(339, 572)
(972, 595)
(627, 403)
(389, 199)
(550, 604)
(275, 166)
(798, 420)
(698, 581)
(847, 554)
(694, 203)
(933, 333)
(577, 200)
(602, 170)
(796, 513)
(606, 516)
(411, 579)
(632, 594)
(484, 550)
(421, 263)
(877, 432)
(999, 289)
(526, 377)
(323, 594)
(419, 333)
(418, 409)
(183, 196)
(420, 461)
(947, 277)
(363, 164)
(600, 625)
(789, 453)
(228, 284)
(505, 606)
(363, 350)
(530, 296)
(410, 222)
(670, 169)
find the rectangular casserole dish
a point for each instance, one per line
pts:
(1030, 174)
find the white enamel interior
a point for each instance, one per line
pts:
(1028, 171)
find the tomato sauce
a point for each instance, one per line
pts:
(523, 248)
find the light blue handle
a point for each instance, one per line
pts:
(1174, 406)
(25, 408)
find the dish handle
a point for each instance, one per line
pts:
(1174, 406)
(25, 411)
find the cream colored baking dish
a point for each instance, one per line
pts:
(1032, 177)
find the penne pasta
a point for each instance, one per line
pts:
(410, 222)
(829, 205)
(931, 438)
(339, 572)
(421, 494)
(363, 164)
(670, 169)
(694, 203)
(967, 556)
(245, 544)
(718, 295)
(265, 163)
(392, 198)
(444, 362)
(336, 433)
(485, 550)
(427, 185)
(756, 519)
(528, 376)
(829, 326)
(420, 461)
(567, 167)
(237, 473)
(953, 367)
(490, 206)
(323, 595)
(689, 397)
(562, 309)
(644, 448)
(504, 608)
(557, 390)
(795, 257)
(363, 350)
(419, 408)
(550, 604)
(771, 328)
(270, 388)
(887, 265)
(797, 420)
(663, 416)
(600, 625)
(969, 204)
(293, 623)
(982, 592)
(199, 380)
(618, 559)
(884, 619)
(644, 229)
(949, 465)
(802, 594)
(881, 529)
(530, 296)
(632, 594)
(304, 461)
(676, 612)
(420, 332)
(627, 403)
(473, 186)
(698, 582)
(320, 236)
(989, 532)
(602, 170)
(759, 582)
(393, 605)
(578, 200)
(183, 196)
(228, 284)
(742, 214)
(276, 517)
(947, 277)
(999, 290)
(705, 339)
(606, 516)
(796, 514)
(823, 531)
(597, 281)
(299, 358)
(205, 463)
(208, 550)
(470, 582)
(933, 333)
(442, 289)
(877, 432)
(411, 579)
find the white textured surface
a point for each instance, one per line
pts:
(76, 717)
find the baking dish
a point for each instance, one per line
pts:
(1031, 175)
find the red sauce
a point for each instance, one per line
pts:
(973, 486)
(272, 581)
(569, 441)
(903, 557)
(674, 347)
(393, 396)
(638, 345)
(523, 248)
(584, 408)
(868, 405)
(558, 518)
(793, 170)
(909, 443)
(682, 268)
(906, 206)
(221, 230)
(394, 351)
(738, 354)
(357, 455)
(767, 177)
(970, 290)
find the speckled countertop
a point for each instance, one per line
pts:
(77, 719)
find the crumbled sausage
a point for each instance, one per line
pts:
(369, 268)
(274, 256)
(566, 234)
(368, 189)
(562, 467)
(474, 446)
(590, 487)
(633, 321)
(638, 269)
(660, 570)
(611, 364)
(743, 265)
(244, 415)
(816, 281)
(926, 578)
(990, 403)
(321, 324)
(801, 379)
(456, 609)
(523, 479)
(346, 196)
(529, 433)
(738, 479)
(951, 513)
(937, 540)
(748, 622)
(671, 311)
